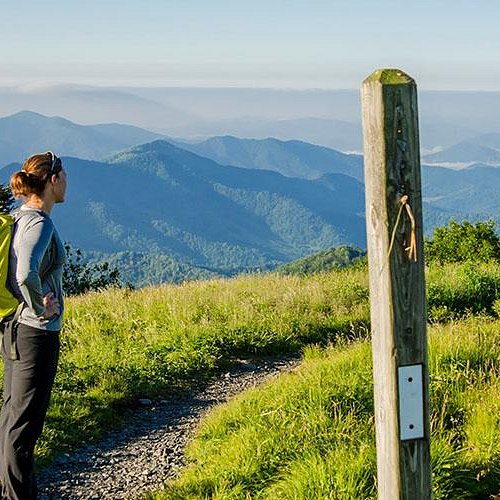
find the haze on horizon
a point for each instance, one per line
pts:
(329, 44)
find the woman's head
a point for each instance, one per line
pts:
(38, 171)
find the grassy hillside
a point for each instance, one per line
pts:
(121, 345)
(310, 433)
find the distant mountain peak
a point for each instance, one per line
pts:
(26, 132)
(23, 114)
(466, 152)
(292, 158)
(158, 146)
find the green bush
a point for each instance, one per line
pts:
(80, 277)
(6, 198)
(464, 242)
(326, 261)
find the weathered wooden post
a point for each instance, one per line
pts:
(397, 286)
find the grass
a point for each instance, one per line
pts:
(457, 290)
(310, 433)
(120, 345)
(465, 390)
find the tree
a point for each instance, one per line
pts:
(6, 199)
(464, 242)
(80, 277)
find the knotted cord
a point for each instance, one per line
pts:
(410, 250)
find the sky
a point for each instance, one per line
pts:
(327, 44)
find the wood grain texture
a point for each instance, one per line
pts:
(397, 283)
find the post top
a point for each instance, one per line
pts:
(389, 76)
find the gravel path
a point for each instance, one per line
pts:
(149, 450)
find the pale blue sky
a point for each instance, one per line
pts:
(447, 44)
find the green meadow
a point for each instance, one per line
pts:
(309, 433)
(119, 345)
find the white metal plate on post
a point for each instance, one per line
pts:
(411, 402)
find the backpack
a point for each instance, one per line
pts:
(8, 303)
(10, 307)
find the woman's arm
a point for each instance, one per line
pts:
(33, 244)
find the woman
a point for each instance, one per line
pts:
(31, 350)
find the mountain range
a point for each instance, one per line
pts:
(290, 158)
(166, 202)
(465, 152)
(324, 117)
(25, 132)
(484, 148)
(164, 211)
(472, 193)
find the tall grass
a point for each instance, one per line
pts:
(119, 345)
(465, 396)
(310, 433)
(455, 290)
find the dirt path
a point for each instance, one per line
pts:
(149, 450)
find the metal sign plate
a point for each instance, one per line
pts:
(411, 402)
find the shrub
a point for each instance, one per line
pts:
(81, 277)
(464, 242)
(6, 199)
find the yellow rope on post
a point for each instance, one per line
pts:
(393, 235)
(410, 250)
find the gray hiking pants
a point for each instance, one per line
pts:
(27, 382)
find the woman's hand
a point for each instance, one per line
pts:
(51, 304)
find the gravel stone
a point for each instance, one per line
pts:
(149, 449)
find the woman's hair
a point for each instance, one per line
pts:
(34, 175)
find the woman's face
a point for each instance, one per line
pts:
(59, 186)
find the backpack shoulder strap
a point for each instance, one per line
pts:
(8, 303)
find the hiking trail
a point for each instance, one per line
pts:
(148, 450)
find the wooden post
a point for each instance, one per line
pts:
(397, 286)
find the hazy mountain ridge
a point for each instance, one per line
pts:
(465, 152)
(179, 213)
(289, 158)
(89, 105)
(331, 133)
(327, 117)
(484, 148)
(26, 132)
(474, 190)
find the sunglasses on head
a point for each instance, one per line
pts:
(56, 163)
